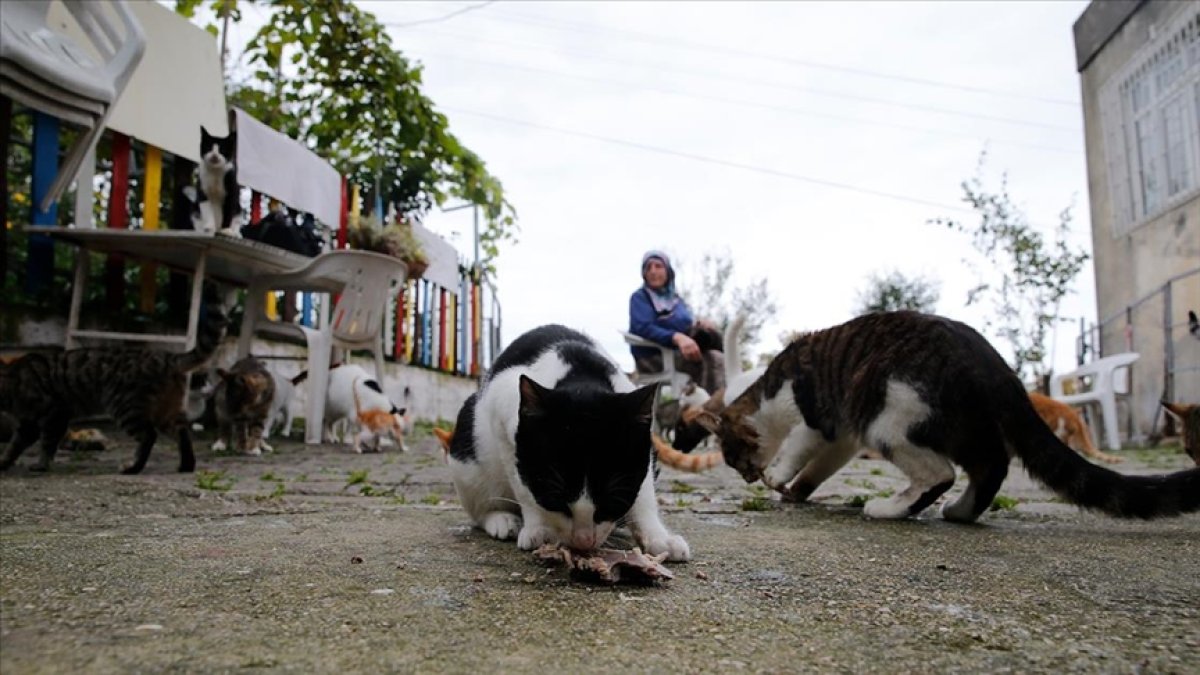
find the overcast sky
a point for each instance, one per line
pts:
(811, 141)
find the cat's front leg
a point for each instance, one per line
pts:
(799, 448)
(648, 528)
(535, 528)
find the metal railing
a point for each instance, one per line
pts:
(1156, 317)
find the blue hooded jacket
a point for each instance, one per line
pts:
(646, 322)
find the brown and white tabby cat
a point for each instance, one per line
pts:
(1189, 419)
(142, 389)
(928, 393)
(242, 401)
(1070, 428)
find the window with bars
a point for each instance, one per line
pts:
(1150, 114)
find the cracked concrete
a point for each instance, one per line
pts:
(316, 559)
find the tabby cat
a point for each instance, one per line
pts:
(1069, 426)
(927, 393)
(242, 400)
(142, 389)
(1189, 418)
(555, 448)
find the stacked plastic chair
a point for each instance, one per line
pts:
(49, 71)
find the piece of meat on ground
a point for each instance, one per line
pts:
(608, 565)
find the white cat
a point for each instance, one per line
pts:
(354, 396)
(281, 405)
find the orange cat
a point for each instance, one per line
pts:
(444, 437)
(1068, 426)
(1189, 419)
(666, 454)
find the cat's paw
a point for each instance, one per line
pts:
(501, 524)
(254, 451)
(219, 445)
(532, 537)
(264, 446)
(777, 477)
(797, 493)
(40, 466)
(675, 546)
(232, 232)
(886, 509)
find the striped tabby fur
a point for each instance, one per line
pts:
(243, 400)
(142, 389)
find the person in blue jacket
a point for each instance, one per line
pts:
(657, 313)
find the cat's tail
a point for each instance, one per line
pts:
(301, 377)
(1091, 486)
(733, 352)
(683, 461)
(212, 329)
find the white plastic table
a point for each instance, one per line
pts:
(203, 255)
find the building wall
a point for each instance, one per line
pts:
(1132, 265)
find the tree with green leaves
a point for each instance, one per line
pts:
(325, 72)
(1031, 270)
(716, 298)
(891, 291)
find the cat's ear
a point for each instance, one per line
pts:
(642, 402)
(205, 137)
(398, 411)
(533, 397)
(709, 421)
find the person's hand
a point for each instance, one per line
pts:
(705, 323)
(687, 346)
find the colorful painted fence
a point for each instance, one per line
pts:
(435, 327)
(452, 330)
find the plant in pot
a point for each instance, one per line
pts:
(395, 239)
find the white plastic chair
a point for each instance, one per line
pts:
(1099, 377)
(367, 283)
(669, 375)
(48, 71)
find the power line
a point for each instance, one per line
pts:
(768, 83)
(709, 48)
(439, 19)
(709, 160)
(742, 103)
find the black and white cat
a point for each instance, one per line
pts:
(555, 448)
(218, 206)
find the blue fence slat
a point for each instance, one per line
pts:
(306, 309)
(40, 264)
